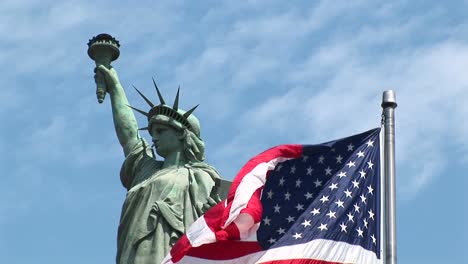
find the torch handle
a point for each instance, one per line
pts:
(100, 80)
(100, 87)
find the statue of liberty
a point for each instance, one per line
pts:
(163, 197)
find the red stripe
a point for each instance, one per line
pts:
(230, 232)
(180, 248)
(213, 216)
(223, 250)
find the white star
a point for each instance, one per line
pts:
(279, 167)
(318, 183)
(342, 174)
(266, 220)
(277, 208)
(293, 169)
(348, 193)
(324, 199)
(272, 240)
(351, 164)
(340, 203)
(363, 174)
(343, 227)
(359, 230)
(332, 214)
(370, 189)
(290, 219)
(370, 143)
(350, 217)
(281, 181)
(373, 239)
(322, 227)
(309, 170)
(299, 207)
(308, 195)
(321, 158)
(306, 223)
(363, 198)
(338, 159)
(298, 183)
(287, 196)
(365, 223)
(297, 235)
(350, 147)
(371, 214)
(360, 154)
(328, 171)
(304, 158)
(270, 194)
(370, 164)
(333, 186)
(315, 211)
(355, 184)
(356, 207)
(281, 231)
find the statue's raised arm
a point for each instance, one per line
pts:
(125, 123)
(104, 49)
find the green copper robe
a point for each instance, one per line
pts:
(160, 204)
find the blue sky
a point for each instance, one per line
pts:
(264, 73)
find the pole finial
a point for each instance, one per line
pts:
(389, 99)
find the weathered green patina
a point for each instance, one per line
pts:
(164, 197)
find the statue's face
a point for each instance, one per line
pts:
(166, 139)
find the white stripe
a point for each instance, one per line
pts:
(319, 249)
(250, 183)
(199, 233)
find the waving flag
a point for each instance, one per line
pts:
(295, 204)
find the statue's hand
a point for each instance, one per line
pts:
(110, 76)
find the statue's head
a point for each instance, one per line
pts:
(172, 128)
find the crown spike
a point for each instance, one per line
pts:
(189, 112)
(138, 110)
(161, 99)
(144, 97)
(176, 101)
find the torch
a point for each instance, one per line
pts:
(103, 49)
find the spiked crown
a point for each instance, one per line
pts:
(173, 116)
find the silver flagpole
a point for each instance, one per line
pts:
(389, 104)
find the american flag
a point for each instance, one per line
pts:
(305, 203)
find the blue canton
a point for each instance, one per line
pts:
(332, 192)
